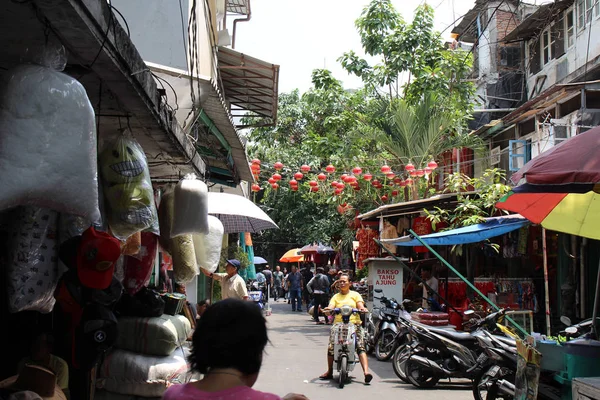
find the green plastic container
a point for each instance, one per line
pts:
(582, 358)
(553, 355)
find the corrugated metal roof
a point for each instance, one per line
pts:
(537, 21)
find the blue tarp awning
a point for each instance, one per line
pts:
(493, 227)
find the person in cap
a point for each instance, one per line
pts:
(232, 284)
(41, 355)
(36, 379)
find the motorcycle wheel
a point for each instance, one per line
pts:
(485, 387)
(343, 371)
(385, 344)
(420, 376)
(399, 361)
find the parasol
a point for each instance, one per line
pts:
(292, 256)
(238, 214)
(559, 190)
(316, 249)
(259, 260)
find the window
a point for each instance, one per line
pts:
(569, 28)
(547, 43)
(586, 9)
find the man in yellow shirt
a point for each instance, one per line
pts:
(353, 299)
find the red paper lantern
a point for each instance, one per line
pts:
(394, 193)
(271, 180)
(344, 177)
(385, 169)
(428, 170)
(384, 198)
(409, 167)
(255, 167)
(341, 185)
(408, 182)
(413, 173)
(375, 183)
(420, 173)
(305, 168)
(278, 166)
(256, 161)
(337, 192)
(321, 176)
(313, 183)
(277, 177)
(255, 188)
(350, 179)
(334, 184)
(356, 187)
(294, 188)
(330, 169)
(357, 170)
(314, 188)
(402, 183)
(397, 180)
(432, 164)
(298, 176)
(293, 182)
(367, 177)
(390, 175)
(275, 186)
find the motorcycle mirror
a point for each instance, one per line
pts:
(571, 330)
(378, 290)
(566, 320)
(469, 312)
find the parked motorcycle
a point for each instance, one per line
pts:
(382, 327)
(442, 353)
(344, 344)
(257, 293)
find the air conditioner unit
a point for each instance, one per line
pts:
(560, 130)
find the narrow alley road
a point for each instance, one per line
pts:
(296, 357)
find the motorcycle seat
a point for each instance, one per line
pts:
(447, 332)
(506, 340)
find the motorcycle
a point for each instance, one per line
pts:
(496, 381)
(256, 293)
(382, 327)
(442, 353)
(344, 344)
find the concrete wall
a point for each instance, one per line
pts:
(563, 69)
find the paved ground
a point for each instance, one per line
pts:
(296, 357)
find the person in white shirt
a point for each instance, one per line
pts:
(232, 284)
(431, 281)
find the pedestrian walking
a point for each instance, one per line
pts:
(307, 275)
(318, 287)
(278, 283)
(269, 280)
(294, 281)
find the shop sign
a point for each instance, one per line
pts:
(386, 277)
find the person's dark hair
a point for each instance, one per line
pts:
(426, 268)
(204, 302)
(231, 334)
(320, 270)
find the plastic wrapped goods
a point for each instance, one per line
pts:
(133, 245)
(158, 336)
(32, 269)
(47, 142)
(208, 247)
(138, 270)
(135, 374)
(127, 187)
(191, 207)
(165, 218)
(184, 259)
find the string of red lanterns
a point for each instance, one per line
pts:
(351, 180)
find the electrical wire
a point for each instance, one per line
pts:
(122, 17)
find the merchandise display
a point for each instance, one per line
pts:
(47, 142)
(133, 244)
(158, 336)
(191, 207)
(184, 259)
(127, 187)
(32, 270)
(208, 247)
(137, 271)
(136, 374)
(165, 218)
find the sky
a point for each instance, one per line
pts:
(302, 35)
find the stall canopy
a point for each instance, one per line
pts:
(492, 227)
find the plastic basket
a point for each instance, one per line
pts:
(582, 358)
(173, 303)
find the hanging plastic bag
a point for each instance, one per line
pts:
(191, 207)
(184, 259)
(132, 246)
(48, 155)
(127, 187)
(32, 269)
(208, 247)
(165, 218)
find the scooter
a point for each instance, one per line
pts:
(256, 293)
(457, 355)
(344, 344)
(382, 327)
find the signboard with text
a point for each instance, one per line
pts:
(385, 274)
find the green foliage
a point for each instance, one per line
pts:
(414, 49)
(234, 251)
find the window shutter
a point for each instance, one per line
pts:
(558, 35)
(516, 149)
(535, 64)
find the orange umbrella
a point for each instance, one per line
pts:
(292, 256)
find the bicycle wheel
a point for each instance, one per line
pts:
(343, 371)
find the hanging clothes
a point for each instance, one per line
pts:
(367, 247)
(421, 226)
(389, 232)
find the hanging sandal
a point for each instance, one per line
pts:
(326, 376)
